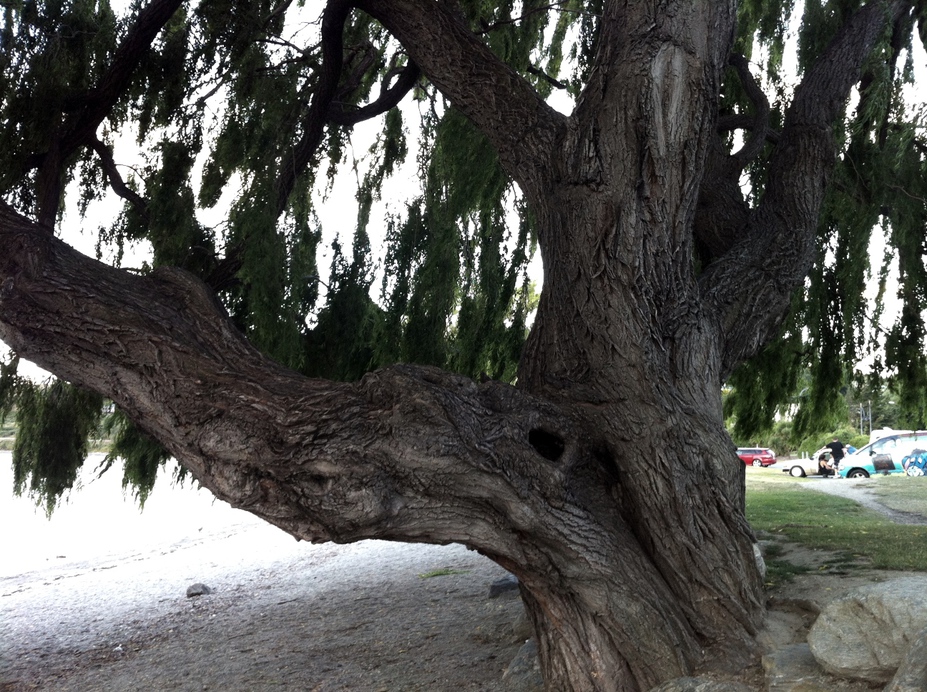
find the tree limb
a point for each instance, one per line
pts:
(409, 453)
(389, 98)
(493, 96)
(115, 179)
(79, 128)
(313, 123)
(722, 214)
(757, 131)
(777, 251)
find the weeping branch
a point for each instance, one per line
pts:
(79, 128)
(774, 256)
(115, 179)
(313, 124)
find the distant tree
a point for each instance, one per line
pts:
(603, 478)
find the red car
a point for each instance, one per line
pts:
(756, 456)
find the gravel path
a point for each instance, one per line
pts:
(96, 600)
(860, 490)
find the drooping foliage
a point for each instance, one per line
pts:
(221, 158)
(872, 229)
(54, 423)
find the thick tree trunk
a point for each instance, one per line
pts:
(636, 566)
(655, 468)
(616, 498)
(606, 481)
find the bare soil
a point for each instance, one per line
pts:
(370, 616)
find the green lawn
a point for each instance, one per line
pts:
(780, 505)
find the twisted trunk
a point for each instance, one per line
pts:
(605, 481)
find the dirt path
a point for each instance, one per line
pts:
(860, 490)
(95, 599)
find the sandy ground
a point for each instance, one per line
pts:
(96, 600)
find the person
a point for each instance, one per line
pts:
(836, 452)
(825, 468)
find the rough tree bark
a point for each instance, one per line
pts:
(605, 481)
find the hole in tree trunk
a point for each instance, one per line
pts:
(546, 444)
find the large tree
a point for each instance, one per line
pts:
(679, 211)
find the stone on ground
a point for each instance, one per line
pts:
(912, 673)
(867, 633)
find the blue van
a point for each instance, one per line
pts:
(883, 456)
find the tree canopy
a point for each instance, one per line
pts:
(250, 107)
(705, 199)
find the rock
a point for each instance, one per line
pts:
(198, 590)
(524, 672)
(867, 633)
(788, 621)
(522, 628)
(760, 562)
(506, 584)
(912, 673)
(793, 668)
(700, 685)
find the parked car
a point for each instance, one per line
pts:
(884, 456)
(806, 467)
(756, 456)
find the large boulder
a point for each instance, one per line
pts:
(912, 673)
(867, 633)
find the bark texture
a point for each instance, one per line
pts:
(605, 481)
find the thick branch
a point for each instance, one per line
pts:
(79, 128)
(521, 126)
(750, 292)
(388, 455)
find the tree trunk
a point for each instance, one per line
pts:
(672, 585)
(615, 497)
(605, 481)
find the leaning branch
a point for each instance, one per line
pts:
(501, 103)
(751, 291)
(408, 453)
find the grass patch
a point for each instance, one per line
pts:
(776, 476)
(779, 571)
(835, 524)
(901, 493)
(443, 572)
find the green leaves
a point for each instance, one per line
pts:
(141, 455)
(54, 423)
(220, 107)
